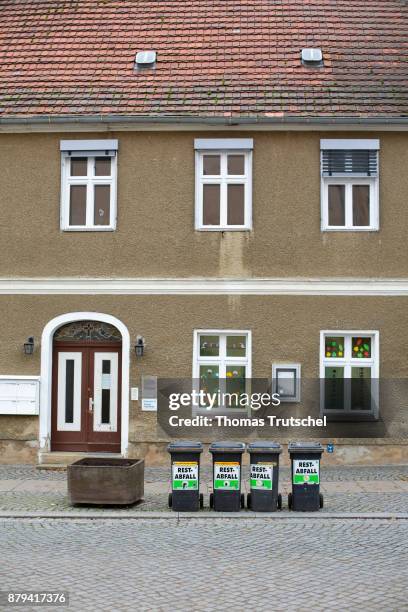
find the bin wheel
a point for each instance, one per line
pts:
(279, 502)
(321, 500)
(242, 500)
(170, 500)
(211, 500)
(290, 501)
(249, 501)
(201, 500)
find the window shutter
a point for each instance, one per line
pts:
(361, 162)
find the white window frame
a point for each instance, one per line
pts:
(347, 362)
(298, 379)
(221, 360)
(90, 150)
(348, 180)
(223, 148)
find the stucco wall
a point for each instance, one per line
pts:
(283, 329)
(155, 234)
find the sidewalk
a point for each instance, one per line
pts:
(354, 490)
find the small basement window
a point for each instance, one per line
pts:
(88, 185)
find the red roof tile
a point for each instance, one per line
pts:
(215, 58)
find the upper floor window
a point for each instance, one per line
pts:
(349, 190)
(223, 184)
(88, 184)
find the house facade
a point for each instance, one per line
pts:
(226, 208)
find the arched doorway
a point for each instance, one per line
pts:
(86, 394)
(84, 403)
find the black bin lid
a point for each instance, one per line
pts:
(227, 447)
(305, 447)
(185, 446)
(264, 446)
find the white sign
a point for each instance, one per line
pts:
(134, 393)
(106, 381)
(306, 471)
(261, 476)
(185, 475)
(149, 404)
(227, 475)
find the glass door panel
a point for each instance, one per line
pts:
(105, 400)
(69, 391)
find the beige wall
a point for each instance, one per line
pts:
(283, 329)
(155, 234)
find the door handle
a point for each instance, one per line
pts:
(91, 404)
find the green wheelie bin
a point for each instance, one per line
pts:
(227, 459)
(185, 493)
(264, 493)
(305, 468)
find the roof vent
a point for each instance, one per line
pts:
(145, 59)
(312, 57)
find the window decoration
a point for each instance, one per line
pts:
(361, 348)
(88, 331)
(335, 347)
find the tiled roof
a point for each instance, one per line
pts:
(216, 58)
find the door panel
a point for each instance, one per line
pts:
(69, 391)
(105, 399)
(86, 397)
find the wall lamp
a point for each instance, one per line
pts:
(29, 346)
(140, 346)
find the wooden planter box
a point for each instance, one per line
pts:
(106, 481)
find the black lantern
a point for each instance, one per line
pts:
(29, 346)
(139, 346)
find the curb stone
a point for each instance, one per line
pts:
(178, 516)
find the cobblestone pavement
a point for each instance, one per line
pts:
(333, 502)
(156, 474)
(356, 489)
(188, 566)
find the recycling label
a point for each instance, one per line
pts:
(306, 471)
(226, 475)
(185, 475)
(261, 476)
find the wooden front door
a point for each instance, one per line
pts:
(86, 397)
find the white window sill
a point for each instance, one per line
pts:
(88, 229)
(223, 229)
(350, 229)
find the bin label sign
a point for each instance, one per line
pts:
(261, 476)
(306, 471)
(226, 475)
(185, 475)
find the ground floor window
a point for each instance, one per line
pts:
(349, 371)
(222, 365)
